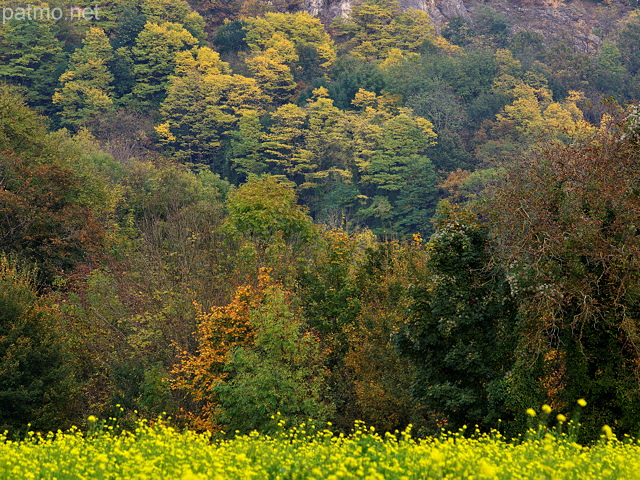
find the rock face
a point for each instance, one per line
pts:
(440, 10)
(328, 9)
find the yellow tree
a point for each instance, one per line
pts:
(86, 90)
(535, 115)
(272, 72)
(154, 59)
(204, 105)
(377, 26)
(299, 39)
(284, 144)
(177, 11)
(328, 141)
(299, 28)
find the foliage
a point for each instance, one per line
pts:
(282, 370)
(175, 11)
(132, 316)
(459, 329)
(37, 382)
(131, 228)
(86, 85)
(265, 210)
(383, 378)
(55, 207)
(377, 26)
(154, 58)
(253, 360)
(564, 219)
(31, 56)
(204, 104)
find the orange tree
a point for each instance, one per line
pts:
(254, 359)
(219, 332)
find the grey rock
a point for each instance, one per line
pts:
(440, 10)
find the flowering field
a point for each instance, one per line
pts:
(160, 452)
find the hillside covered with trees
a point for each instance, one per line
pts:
(224, 210)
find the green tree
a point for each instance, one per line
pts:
(328, 142)
(564, 220)
(204, 106)
(264, 210)
(416, 202)
(281, 371)
(389, 151)
(629, 47)
(37, 378)
(31, 57)
(610, 76)
(154, 59)
(86, 91)
(458, 333)
(350, 74)
(246, 145)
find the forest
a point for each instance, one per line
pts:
(224, 210)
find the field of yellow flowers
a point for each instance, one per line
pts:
(160, 452)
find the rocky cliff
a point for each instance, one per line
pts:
(584, 24)
(440, 10)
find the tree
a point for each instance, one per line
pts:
(273, 75)
(246, 145)
(154, 59)
(438, 104)
(415, 204)
(628, 45)
(283, 145)
(37, 381)
(329, 145)
(219, 332)
(254, 360)
(564, 222)
(382, 378)
(458, 330)
(610, 76)
(175, 11)
(377, 26)
(301, 29)
(349, 75)
(265, 210)
(389, 148)
(55, 207)
(281, 371)
(86, 91)
(535, 114)
(31, 56)
(204, 105)
(131, 314)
